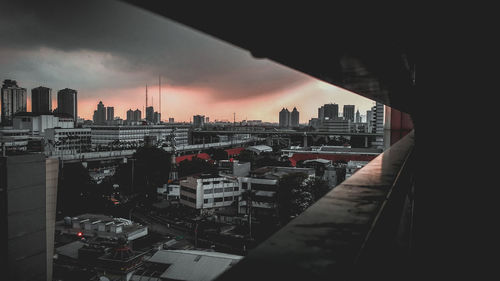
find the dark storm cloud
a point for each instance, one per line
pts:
(141, 44)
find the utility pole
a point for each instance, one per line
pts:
(159, 95)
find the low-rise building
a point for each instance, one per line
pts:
(128, 135)
(38, 123)
(102, 226)
(14, 139)
(60, 141)
(208, 192)
(260, 190)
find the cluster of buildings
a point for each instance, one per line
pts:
(289, 119)
(329, 119)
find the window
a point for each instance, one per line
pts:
(218, 199)
(208, 191)
(228, 198)
(218, 190)
(228, 189)
(244, 185)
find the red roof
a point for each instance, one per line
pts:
(203, 156)
(234, 151)
(335, 157)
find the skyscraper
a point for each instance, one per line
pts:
(349, 112)
(14, 99)
(100, 114)
(67, 102)
(150, 114)
(198, 121)
(41, 100)
(110, 113)
(331, 111)
(358, 117)
(137, 115)
(294, 118)
(284, 118)
(130, 115)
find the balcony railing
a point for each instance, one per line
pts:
(360, 230)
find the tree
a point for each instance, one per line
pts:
(151, 169)
(289, 189)
(218, 154)
(194, 166)
(246, 156)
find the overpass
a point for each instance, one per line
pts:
(127, 153)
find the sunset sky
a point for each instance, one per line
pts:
(108, 51)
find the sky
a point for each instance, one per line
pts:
(109, 51)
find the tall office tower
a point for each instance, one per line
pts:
(348, 113)
(130, 115)
(321, 113)
(100, 114)
(110, 113)
(284, 118)
(41, 100)
(171, 120)
(207, 120)
(67, 102)
(198, 121)
(331, 111)
(28, 213)
(150, 112)
(14, 100)
(137, 115)
(358, 117)
(294, 118)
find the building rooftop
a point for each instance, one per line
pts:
(194, 265)
(260, 148)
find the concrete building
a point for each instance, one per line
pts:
(321, 113)
(102, 226)
(13, 100)
(348, 112)
(28, 211)
(104, 135)
(41, 100)
(198, 121)
(260, 190)
(67, 102)
(14, 140)
(336, 125)
(171, 120)
(37, 124)
(60, 141)
(234, 168)
(358, 117)
(315, 123)
(377, 121)
(324, 169)
(156, 118)
(284, 118)
(208, 192)
(294, 118)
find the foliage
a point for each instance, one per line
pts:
(151, 169)
(194, 166)
(246, 156)
(218, 154)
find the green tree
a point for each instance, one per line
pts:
(194, 166)
(246, 156)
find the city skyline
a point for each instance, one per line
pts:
(200, 74)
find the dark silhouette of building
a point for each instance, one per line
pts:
(67, 102)
(294, 118)
(284, 118)
(13, 99)
(331, 111)
(41, 100)
(150, 112)
(100, 114)
(198, 121)
(348, 112)
(110, 113)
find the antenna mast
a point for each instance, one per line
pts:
(146, 95)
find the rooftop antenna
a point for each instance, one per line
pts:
(146, 95)
(159, 94)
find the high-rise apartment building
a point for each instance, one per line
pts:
(41, 100)
(100, 114)
(284, 118)
(137, 115)
(331, 111)
(67, 102)
(13, 100)
(348, 113)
